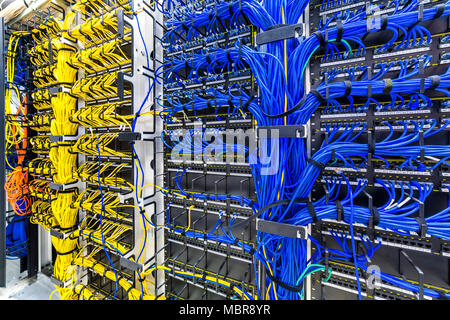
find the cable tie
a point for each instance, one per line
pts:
(319, 96)
(422, 226)
(312, 212)
(129, 289)
(81, 291)
(318, 165)
(247, 103)
(384, 22)
(65, 253)
(348, 88)
(229, 55)
(319, 35)
(435, 82)
(340, 210)
(340, 30)
(290, 111)
(375, 216)
(439, 11)
(284, 285)
(388, 85)
(422, 86)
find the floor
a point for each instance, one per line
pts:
(18, 287)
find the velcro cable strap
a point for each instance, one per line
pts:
(340, 210)
(290, 111)
(318, 95)
(129, 289)
(318, 165)
(348, 88)
(439, 11)
(208, 58)
(371, 144)
(388, 85)
(422, 226)
(375, 216)
(269, 206)
(435, 82)
(312, 211)
(384, 22)
(284, 285)
(247, 103)
(65, 253)
(229, 55)
(340, 30)
(321, 39)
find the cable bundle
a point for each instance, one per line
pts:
(103, 115)
(41, 213)
(41, 122)
(81, 291)
(41, 100)
(97, 88)
(40, 144)
(87, 144)
(65, 216)
(97, 7)
(44, 76)
(14, 131)
(89, 171)
(279, 72)
(109, 205)
(64, 162)
(112, 233)
(16, 143)
(65, 213)
(40, 53)
(96, 30)
(40, 189)
(50, 28)
(101, 58)
(63, 104)
(40, 167)
(133, 294)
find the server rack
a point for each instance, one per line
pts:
(419, 259)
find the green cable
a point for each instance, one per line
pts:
(349, 47)
(303, 276)
(307, 61)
